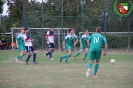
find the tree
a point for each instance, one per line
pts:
(15, 10)
(1, 6)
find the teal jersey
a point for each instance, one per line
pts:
(96, 41)
(69, 39)
(20, 38)
(84, 39)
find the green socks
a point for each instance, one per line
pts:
(89, 65)
(67, 56)
(96, 69)
(85, 55)
(77, 54)
(63, 56)
(20, 57)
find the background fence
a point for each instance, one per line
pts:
(80, 15)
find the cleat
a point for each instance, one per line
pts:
(35, 63)
(26, 63)
(60, 59)
(45, 56)
(16, 59)
(87, 74)
(66, 63)
(51, 59)
(95, 77)
(20, 62)
(74, 58)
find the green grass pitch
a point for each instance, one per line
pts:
(53, 74)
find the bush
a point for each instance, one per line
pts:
(8, 38)
(118, 40)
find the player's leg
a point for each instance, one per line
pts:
(69, 50)
(29, 54)
(49, 51)
(79, 52)
(86, 53)
(68, 55)
(98, 56)
(22, 53)
(34, 57)
(23, 49)
(91, 60)
(52, 50)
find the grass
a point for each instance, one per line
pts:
(53, 74)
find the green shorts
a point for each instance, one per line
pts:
(95, 55)
(69, 48)
(21, 47)
(83, 47)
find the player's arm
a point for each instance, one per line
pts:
(88, 44)
(28, 40)
(105, 50)
(64, 44)
(47, 37)
(17, 42)
(76, 41)
(17, 38)
(106, 46)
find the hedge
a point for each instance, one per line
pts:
(119, 41)
(114, 41)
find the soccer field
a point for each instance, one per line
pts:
(53, 74)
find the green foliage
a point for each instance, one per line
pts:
(1, 6)
(118, 41)
(93, 15)
(8, 38)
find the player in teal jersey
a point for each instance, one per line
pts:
(20, 45)
(68, 44)
(96, 41)
(83, 45)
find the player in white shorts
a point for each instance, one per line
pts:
(29, 47)
(50, 42)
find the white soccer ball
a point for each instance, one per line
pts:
(112, 61)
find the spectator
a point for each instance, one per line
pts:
(3, 44)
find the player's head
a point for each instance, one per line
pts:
(86, 31)
(71, 31)
(52, 28)
(22, 30)
(26, 30)
(99, 29)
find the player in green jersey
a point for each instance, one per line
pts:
(83, 45)
(20, 45)
(68, 44)
(96, 41)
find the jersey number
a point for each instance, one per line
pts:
(96, 40)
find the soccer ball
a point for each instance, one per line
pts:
(112, 61)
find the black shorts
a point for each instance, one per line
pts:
(50, 45)
(29, 49)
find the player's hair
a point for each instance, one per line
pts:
(26, 29)
(22, 28)
(52, 27)
(99, 29)
(70, 29)
(85, 30)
